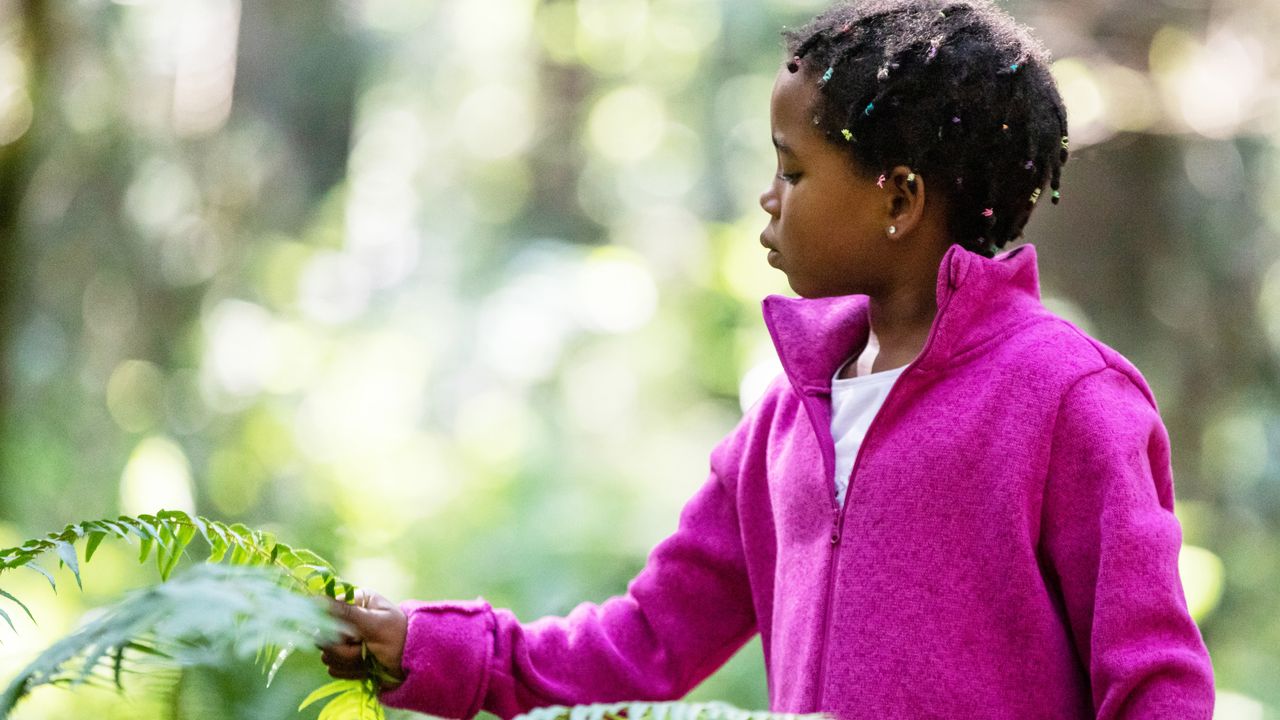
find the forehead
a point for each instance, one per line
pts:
(792, 104)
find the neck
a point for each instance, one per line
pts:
(902, 317)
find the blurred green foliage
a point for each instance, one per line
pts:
(461, 293)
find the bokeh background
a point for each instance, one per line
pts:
(460, 293)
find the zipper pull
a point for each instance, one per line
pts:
(835, 529)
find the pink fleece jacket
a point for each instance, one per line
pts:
(1007, 547)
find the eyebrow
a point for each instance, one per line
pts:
(782, 147)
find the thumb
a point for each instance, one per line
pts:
(354, 614)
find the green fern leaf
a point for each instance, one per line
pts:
(43, 572)
(204, 617)
(169, 533)
(147, 524)
(181, 539)
(324, 691)
(67, 553)
(91, 545)
(20, 604)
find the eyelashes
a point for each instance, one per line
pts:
(789, 178)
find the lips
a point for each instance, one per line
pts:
(774, 256)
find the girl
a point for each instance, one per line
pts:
(952, 504)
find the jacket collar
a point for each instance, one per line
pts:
(978, 299)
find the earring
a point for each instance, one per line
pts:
(892, 230)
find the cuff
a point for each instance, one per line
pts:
(447, 651)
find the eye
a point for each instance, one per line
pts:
(789, 178)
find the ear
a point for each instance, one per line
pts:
(905, 191)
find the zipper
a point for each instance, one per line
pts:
(840, 509)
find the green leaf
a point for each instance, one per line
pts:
(146, 549)
(180, 542)
(217, 549)
(200, 525)
(117, 528)
(67, 552)
(324, 691)
(343, 705)
(43, 572)
(91, 545)
(164, 548)
(5, 616)
(20, 604)
(147, 523)
(174, 516)
(132, 526)
(117, 663)
(219, 529)
(280, 656)
(329, 588)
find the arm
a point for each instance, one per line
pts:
(1110, 536)
(682, 617)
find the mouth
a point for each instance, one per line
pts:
(774, 256)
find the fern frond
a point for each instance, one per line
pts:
(207, 616)
(169, 533)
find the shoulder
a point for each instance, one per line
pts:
(1061, 354)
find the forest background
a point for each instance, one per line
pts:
(461, 293)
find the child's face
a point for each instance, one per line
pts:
(827, 226)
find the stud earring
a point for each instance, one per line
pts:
(893, 229)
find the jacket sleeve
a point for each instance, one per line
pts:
(1112, 540)
(682, 617)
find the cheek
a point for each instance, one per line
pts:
(806, 213)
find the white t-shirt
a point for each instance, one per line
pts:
(854, 404)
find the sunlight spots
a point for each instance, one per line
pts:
(495, 121)
(615, 292)
(135, 395)
(157, 477)
(1235, 450)
(1202, 580)
(1230, 705)
(627, 124)
(204, 44)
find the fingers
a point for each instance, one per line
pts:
(344, 654)
(356, 611)
(348, 672)
(345, 662)
(377, 628)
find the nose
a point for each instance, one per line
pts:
(769, 200)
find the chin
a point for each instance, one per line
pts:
(806, 291)
(813, 292)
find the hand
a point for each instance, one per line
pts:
(379, 626)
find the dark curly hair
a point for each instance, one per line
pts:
(957, 91)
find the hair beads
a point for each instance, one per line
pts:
(1008, 130)
(826, 77)
(793, 65)
(880, 180)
